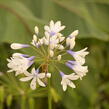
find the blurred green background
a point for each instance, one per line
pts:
(91, 18)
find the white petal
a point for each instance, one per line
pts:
(40, 82)
(16, 46)
(35, 38)
(60, 47)
(72, 76)
(64, 83)
(62, 27)
(59, 57)
(47, 28)
(10, 71)
(33, 71)
(36, 29)
(8, 60)
(75, 33)
(41, 75)
(64, 87)
(27, 73)
(68, 41)
(71, 84)
(51, 53)
(26, 78)
(57, 24)
(48, 75)
(61, 39)
(51, 24)
(17, 73)
(33, 84)
(72, 43)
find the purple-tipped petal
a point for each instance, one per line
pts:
(24, 55)
(69, 65)
(71, 62)
(71, 52)
(31, 58)
(62, 74)
(30, 63)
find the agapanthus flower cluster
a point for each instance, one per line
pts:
(51, 50)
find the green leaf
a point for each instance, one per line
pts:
(18, 23)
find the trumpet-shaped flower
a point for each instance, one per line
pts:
(67, 80)
(79, 56)
(19, 64)
(79, 69)
(35, 77)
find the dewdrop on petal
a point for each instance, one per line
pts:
(49, 50)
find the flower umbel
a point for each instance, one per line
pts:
(51, 50)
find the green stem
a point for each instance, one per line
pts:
(1, 105)
(49, 95)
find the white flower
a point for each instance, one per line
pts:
(19, 64)
(51, 53)
(34, 41)
(70, 41)
(54, 28)
(59, 57)
(36, 77)
(79, 56)
(79, 69)
(66, 80)
(60, 37)
(36, 29)
(18, 46)
(60, 47)
(74, 34)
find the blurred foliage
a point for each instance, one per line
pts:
(17, 20)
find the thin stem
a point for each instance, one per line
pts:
(49, 95)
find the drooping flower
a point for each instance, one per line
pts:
(78, 69)
(19, 64)
(67, 80)
(79, 56)
(35, 77)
